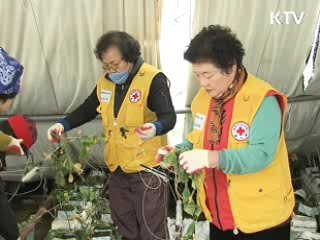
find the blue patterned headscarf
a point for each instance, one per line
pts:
(10, 73)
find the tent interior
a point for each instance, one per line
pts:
(55, 40)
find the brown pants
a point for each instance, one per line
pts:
(139, 211)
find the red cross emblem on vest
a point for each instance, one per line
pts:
(135, 96)
(240, 131)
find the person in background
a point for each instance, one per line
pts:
(238, 142)
(16, 135)
(135, 104)
(10, 73)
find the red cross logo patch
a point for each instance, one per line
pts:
(240, 131)
(135, 96)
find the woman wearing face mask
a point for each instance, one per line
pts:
(134, 101)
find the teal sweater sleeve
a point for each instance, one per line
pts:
(185, 145)
(263, 142)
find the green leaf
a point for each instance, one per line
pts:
(194, 184)
(84, 191)
(170, 159)
(198, 212)
(182, 175)
(190, 232)
(186, 193)
(60, 180)
(189, 208)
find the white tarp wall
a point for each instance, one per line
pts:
(54, 40)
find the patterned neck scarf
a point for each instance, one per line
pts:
(217, 116)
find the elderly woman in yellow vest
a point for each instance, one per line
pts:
(135, 104)
(238, 141)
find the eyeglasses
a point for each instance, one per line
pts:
(111, 67)
(207, 76)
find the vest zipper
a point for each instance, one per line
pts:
(216, 197)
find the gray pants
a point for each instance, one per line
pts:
(139, 211)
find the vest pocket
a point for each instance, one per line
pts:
(255, 199)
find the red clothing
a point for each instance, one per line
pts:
(216, 181)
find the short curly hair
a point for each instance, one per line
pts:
(127, 45)
(218, 45)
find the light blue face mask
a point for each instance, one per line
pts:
(119, 78)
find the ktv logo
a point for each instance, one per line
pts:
(286, 17)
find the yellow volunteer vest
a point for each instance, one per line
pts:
(261, 200)
(123, 148)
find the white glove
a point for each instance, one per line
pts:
(54, 132)
(146, 132)
(14, 147)
(162, 152)
(194, 160)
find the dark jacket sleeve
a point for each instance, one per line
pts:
(84, 113)
(159, 101)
